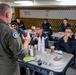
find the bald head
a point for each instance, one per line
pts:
(5, 12)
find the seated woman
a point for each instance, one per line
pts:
(68, 42)
(64, 25)
(40, 33)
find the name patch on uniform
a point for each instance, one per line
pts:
(15, 35)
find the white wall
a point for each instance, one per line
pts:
(51, 14)
(13, 13)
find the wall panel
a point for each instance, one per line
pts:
(54, 22)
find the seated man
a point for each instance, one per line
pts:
(47, 28)
(20, 31)
(20, 23)
(64, 25)
(40, 33)
(68, 42)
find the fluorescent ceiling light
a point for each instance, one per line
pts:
(23, 1)
(60, 0)
(65, 0)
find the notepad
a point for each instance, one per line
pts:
(29, 58)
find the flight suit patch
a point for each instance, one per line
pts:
(15, 35)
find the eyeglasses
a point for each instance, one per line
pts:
(37, 28)
(68, 32)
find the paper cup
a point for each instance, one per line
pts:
(52, 48)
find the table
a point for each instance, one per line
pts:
(57, 35)
(46, 32)
(49, 65)
(30, 32)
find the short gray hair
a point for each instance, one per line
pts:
(4, 8)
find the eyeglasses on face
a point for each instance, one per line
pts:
(37, 28)
(68, 32)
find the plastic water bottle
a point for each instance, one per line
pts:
(31, 51)
(43, 45)
(39, 44)
(35, 49)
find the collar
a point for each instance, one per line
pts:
(1, 21)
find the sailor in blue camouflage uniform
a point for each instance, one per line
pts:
(21, 32)
(40, 33)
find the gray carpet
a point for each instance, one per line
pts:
(71, 70)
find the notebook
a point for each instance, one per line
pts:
(29, 58)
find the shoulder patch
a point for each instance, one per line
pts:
(50, 27)
(15, 35)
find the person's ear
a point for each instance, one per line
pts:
(72, 33)
(7, 15)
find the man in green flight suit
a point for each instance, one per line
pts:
(11, 48)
